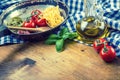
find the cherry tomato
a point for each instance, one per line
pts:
(35, 14)
(107, 53)
(36, 18)
(29, 24)
(98, 44)
(41, 22)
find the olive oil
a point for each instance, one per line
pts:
(91, 28)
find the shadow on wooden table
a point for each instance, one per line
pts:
(18, 50)
(8, 66)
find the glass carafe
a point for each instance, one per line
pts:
(92, 26)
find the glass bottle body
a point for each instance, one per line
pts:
(92, 26)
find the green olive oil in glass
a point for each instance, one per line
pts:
(91, 27)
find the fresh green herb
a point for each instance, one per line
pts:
(60, 38)
(59, 45)
(69, 35)
(15, 21)
(63, 31)
(52, 39)
(54, 36)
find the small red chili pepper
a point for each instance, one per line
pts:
(98, 44)
(107, 53)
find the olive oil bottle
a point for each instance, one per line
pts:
(92, 26)
(90, 29)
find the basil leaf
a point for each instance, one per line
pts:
(66, 35)
(63, 31)
(50, 41)
(73, 35)
(59, 45)
(53, 36)
(69, 35)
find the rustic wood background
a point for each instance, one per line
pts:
(76, 62)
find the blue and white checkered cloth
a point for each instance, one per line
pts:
(111, 16)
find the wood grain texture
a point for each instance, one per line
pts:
(76, 62)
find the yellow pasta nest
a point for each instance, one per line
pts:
(53, 16)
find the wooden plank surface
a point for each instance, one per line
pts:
(76, 62)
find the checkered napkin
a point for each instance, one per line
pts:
(5, 35)
(111, 16)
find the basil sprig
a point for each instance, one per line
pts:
(60, 38)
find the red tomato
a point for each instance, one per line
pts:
(36, 18)
(29, 24)
(107, 53)
(98, 44)
(35, 14)
(41, 22)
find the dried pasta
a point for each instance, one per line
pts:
(53, 16)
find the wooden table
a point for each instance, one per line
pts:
(76, 62)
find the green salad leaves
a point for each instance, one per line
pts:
(61, 38)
